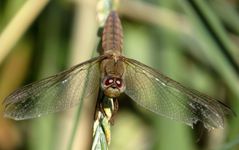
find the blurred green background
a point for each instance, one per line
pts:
(195, 42)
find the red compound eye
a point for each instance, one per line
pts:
(109, 81)
(118, 82)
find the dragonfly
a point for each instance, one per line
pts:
(115, 74)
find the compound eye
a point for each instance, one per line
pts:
(109, 81)
(118, 82)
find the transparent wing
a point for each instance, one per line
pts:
(59, 92)
(168, 98)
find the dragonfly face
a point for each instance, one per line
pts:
(116, 74)
(112, 86)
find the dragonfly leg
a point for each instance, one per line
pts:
(114, 111)
(97, 110)
(108, 107)
(99, 107)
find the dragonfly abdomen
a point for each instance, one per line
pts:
(112, 39)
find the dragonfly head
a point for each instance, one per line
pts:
(113, 86)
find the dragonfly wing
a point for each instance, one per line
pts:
(168, 98)
(59, 92)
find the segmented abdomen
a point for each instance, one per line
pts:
(112, 35)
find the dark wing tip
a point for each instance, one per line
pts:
(6, 100)
(7, 115)
(5, 103)
(226, 109)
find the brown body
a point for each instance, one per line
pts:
(112, 38)
(112, 67)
